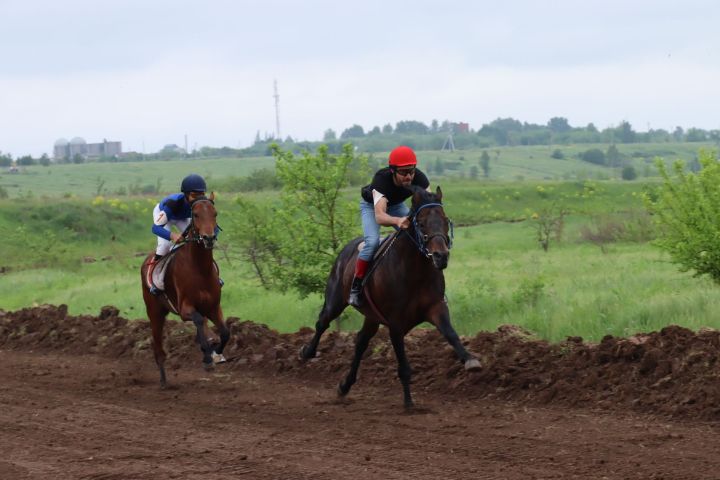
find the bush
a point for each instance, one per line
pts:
(687, 209)
(629, 173)
(557, 154)
(594, 155)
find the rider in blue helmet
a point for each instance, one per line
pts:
(173, 210)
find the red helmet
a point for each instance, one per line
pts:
(402, 157)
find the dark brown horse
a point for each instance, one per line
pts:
(192, 287)
(406, 288)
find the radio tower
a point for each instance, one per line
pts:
(277, 112)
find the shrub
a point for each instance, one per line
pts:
(629, 173)
(687, 210)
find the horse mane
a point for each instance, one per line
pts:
(422, 197)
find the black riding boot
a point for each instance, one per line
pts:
(355, 292)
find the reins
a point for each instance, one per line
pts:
(420, 239)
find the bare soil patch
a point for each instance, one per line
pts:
(80, 398)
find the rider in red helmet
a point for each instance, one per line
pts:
(383, 204)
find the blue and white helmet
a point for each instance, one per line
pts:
(193, 183)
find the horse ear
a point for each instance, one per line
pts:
(212, 197)
(438, 193)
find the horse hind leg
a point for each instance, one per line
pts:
(157, 324)
(366, 333)
(332, 308)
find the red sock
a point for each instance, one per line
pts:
(361, 267)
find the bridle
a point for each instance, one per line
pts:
(421, 239)
(192, 233)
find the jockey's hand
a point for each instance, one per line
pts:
(403, 223)
(175, 237)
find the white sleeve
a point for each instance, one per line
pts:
(376, 196)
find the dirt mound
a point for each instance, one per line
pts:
(671, 372)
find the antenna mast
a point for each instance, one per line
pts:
(277, 111)
(449, 144)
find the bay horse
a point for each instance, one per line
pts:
(405, 287)
(192, 287)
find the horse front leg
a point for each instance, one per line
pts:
(367, 332)
(404, 370)
(219, 322)
(440, 317)
(190, 314)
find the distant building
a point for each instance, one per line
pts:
(78, 146)
(462, 127)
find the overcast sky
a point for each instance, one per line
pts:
(148, 72)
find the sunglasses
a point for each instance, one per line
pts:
(405, 171)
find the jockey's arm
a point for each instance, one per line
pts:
(382, 218)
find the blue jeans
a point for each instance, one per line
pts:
(371, 229)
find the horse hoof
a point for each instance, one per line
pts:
(341, 392)
(218, 358)
(302, 355)
(209, 367)
(473, 365)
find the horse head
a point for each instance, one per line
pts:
(203, 226)
(430, 227)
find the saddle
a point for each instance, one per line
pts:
(158, 274)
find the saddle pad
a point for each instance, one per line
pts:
(158, 275)
(159, 272)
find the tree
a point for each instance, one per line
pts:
(612, 156)
(559, 125)
(5, 160)
(387, 129)
(686, 208)
(305, 233)
(549, 224)
(375, 131)
(626, 133)
(329, 135)
(485, 163)
(44, 160)
(411, 126)
(26, 161)
(355, 131)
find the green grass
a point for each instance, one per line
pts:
(497, 275)
(507, 164)
(83, 251)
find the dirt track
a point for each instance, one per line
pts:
(80, 399)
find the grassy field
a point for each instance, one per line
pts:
(507, 164)
(86, 253)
